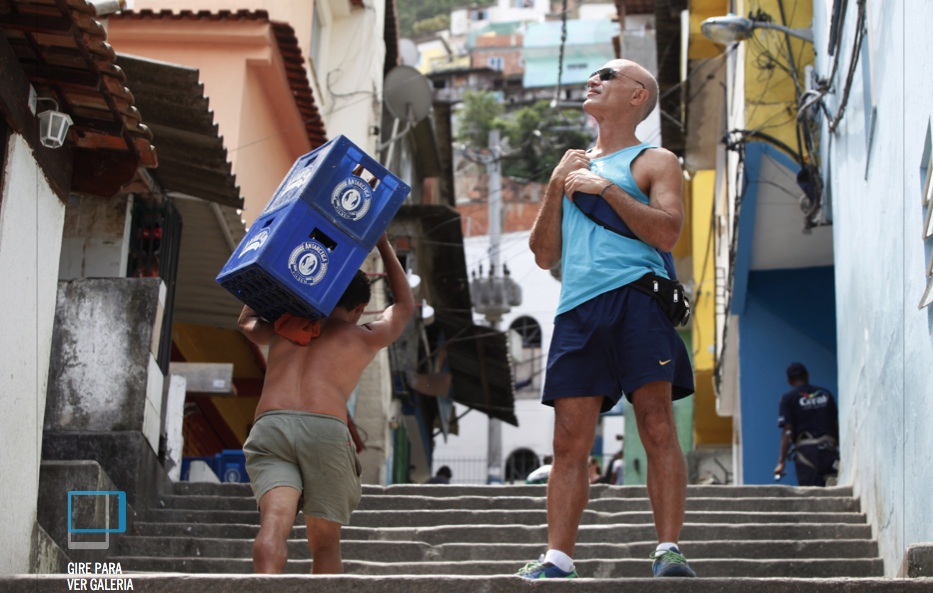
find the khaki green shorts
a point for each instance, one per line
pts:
(312, 453)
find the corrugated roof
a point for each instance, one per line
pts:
(192, 157)
(288, 48)
(64, 53)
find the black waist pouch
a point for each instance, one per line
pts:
(669, 294)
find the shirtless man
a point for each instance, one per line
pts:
(300, 447)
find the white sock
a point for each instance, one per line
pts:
(559, 559)
(667, 546)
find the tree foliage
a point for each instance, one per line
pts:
(481, 112)
(537, 135)
(435, 23)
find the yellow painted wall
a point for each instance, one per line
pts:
(769, 91)
(237, 412)
(700, 47)
(709, 428)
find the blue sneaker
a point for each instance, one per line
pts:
(670, 563)
(545, 570)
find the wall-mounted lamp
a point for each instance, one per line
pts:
(731, 28)
(53, 125)
(427, 312)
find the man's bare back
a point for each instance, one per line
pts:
(319, 377)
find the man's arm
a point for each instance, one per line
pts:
(545, 239)
(787, 436)
(258, 330)
(657, 223)
(391, 323)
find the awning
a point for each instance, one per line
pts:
(478, 356)
(192, 156)
(62, 49)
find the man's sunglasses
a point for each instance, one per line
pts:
(605, 74)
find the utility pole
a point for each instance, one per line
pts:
(494, 295)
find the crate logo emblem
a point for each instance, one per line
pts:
(256, 242)
(308, 262)
(84, 507)
(352, 198)
(296, 182)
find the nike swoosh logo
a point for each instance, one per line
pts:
(664, 362)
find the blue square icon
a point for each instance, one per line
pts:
(76, 523)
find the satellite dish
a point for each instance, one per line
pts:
(407, 94)
(408, 51)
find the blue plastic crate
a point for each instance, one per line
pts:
(230, 466)
(314, 234)
(324, 178)
(292, 260)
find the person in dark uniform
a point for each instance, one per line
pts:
(809, 420)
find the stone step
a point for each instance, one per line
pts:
(394, 551)
(225, 583)
(530, 533)
(496, 517)
(605, 569)
(596, 491)
(391, 502)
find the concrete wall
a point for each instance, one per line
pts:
(96, 237)
(103, 376)
(31, 219)
(789, 316)
(885, 342)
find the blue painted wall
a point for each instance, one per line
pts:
(790, 315)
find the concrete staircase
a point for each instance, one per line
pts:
(473, 538)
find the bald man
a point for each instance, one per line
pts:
(610, 338)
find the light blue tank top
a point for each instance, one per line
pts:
(593, 259)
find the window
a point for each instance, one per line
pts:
(528, 366)
(495, 63)
(868, 90)
(4, 143)
(479, 14)
(519, 464)
(926, 202)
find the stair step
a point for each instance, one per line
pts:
(530, 533)
(446, 536)
(224, 583)
(394, 551)
(596, 490)
(604, 569)
(494, 517)
(391, 502)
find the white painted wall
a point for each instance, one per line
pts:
(885, 352)
(31, 220)
(349, 79)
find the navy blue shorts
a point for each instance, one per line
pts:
(613, 344)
